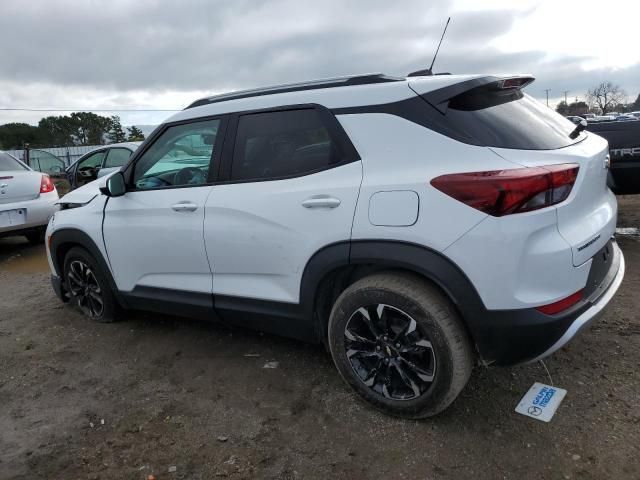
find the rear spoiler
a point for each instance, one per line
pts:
(439, 99)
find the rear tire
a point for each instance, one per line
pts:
(399, 343)
(88, 287)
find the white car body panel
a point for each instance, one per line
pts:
(591, 209)
(259, 236)
(140, 224)
(384, 140)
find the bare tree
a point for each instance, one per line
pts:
(606, 96)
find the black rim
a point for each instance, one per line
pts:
(389, 353)
(84, 286)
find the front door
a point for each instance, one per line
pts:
(154, 233)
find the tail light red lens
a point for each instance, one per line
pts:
(504, 192)
(561, 305)
(46, 184)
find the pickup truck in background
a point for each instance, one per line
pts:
(624, 149)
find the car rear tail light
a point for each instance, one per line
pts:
(504, 192)
(46, 185)
(561, 305)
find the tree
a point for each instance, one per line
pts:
(562, 108)
(116, 133)
(574, 108)
(605, 96)
(135, 134)
(635, 106)
(89, 128)
(15, 135)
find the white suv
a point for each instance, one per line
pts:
(415, 226)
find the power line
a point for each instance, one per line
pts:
(17, 109)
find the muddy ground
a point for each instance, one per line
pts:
(181, 399)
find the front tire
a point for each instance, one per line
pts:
(88, 287)
(398, 342)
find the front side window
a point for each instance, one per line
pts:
(87, 170)
(281, 144)
(181, 156)
(117, 157)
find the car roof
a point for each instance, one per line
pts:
(351, 91)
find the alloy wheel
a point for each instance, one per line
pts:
(389, 353)
(84, 286)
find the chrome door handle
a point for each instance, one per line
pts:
(321, 201)
(184, 207)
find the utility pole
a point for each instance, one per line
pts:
(565, 96)
(547, 92)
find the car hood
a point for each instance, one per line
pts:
(85, 193)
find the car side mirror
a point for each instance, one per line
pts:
(115, 186)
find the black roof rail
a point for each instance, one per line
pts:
(366, 79)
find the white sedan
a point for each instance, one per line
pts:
(27, 199)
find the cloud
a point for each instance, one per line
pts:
(150, 53)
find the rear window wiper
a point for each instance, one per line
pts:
(582, 124)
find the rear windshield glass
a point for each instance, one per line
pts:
(8, 163)
(508, 119)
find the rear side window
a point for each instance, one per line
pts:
(8, 163)
(117, 157)
(507, 119)
(281, 144)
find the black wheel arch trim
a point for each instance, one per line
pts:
(393, 255)
(74, 237)
(503, 337)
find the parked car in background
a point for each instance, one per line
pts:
(635, 114)
(602, 118)
(575, 118)
(625, 117)
(27, 199)
(624, 152)
(99, 162)
(415, 226)
(45, 162)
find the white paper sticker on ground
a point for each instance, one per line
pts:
(541, 401)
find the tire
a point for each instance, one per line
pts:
(423, 362)
(35, 237)
(88, 287)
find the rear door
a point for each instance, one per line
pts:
(290, 183)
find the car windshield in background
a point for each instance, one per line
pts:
(8, 163)
(508, 119)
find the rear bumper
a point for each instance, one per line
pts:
(39, 211)
(509, 337)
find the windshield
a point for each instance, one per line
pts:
(8, 163)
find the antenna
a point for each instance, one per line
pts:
(429, 71)
(440, 43)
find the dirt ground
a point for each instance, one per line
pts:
(183, 399)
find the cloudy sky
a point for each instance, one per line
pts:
(163, 54)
